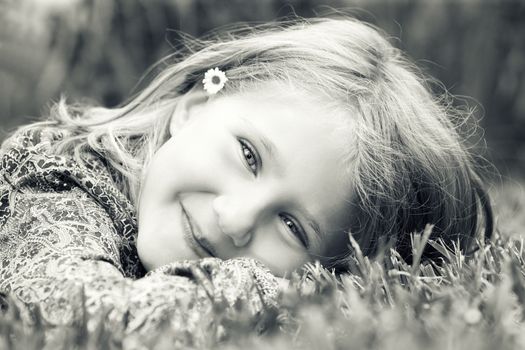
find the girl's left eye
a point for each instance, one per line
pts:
(250, 155)
(296, 229)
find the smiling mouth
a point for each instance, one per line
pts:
(200, 245)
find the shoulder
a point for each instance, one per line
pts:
(32, 171)
(31, 158)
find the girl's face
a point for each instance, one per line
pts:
(256, 175)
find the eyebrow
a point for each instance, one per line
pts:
(270, 149)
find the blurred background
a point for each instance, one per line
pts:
(97, 50)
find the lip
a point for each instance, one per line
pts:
(200, 245)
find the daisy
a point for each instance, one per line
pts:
(214, 80)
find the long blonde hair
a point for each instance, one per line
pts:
(408, 164)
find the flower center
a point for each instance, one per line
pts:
(215, 79)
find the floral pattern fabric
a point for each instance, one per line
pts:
(67, 239)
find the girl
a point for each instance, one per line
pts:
(247, 156)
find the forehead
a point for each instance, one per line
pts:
(286, 107)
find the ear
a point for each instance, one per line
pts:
(183, 110)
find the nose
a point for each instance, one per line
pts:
(237, 218)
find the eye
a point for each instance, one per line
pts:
(295, 228)
(250, 155)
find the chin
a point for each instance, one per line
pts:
(153, 254)
(144, 257)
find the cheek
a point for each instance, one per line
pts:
(186, 153)
(195, 160)
(274, 252)
(194, 145)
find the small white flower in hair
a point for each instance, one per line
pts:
(214, 80)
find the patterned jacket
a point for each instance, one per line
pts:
(67, 237)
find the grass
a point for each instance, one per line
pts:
(466, 303)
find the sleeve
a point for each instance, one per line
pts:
(60, 253)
